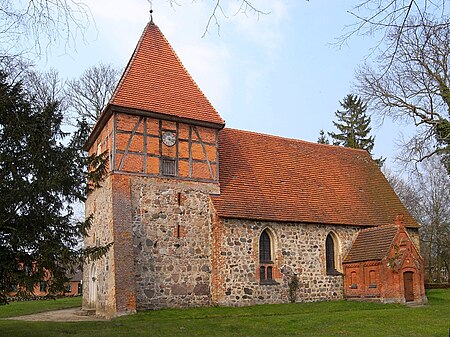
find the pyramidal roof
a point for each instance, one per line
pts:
(155, 80)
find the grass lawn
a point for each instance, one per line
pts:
(338, 318)
(32, 307)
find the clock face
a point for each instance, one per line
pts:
(169, 138)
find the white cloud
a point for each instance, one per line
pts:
(262, 30)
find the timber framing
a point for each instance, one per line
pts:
(111, 109)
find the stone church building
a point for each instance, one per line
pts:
(202, 215)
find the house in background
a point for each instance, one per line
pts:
(75, 286)
(72, 288)
(384, 264)
(201, 214)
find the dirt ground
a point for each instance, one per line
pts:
(65, 315)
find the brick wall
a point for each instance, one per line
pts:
(383, 279)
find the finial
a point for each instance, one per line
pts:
(151, 10)
(399, 220)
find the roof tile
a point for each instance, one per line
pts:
(272, 178)
(155, 80)
(372, 244)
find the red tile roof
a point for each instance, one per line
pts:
(372, 244)
(271, 178)
(155, 80)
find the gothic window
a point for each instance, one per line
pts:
(265, 259)
(372, 279)
(264, 247)
(353, 280)
(330, 255)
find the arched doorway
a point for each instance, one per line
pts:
(92, 286)
(408, 280)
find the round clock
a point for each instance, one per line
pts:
(169, 138)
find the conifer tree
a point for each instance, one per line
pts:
(42, 173)
(323, 139)
(353, 125)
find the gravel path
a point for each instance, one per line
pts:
(65, 315)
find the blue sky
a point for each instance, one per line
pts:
(278, 74)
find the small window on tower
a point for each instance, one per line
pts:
(169, 167)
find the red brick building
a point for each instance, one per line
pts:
(203, 215)
(72, 288)
(384, 264)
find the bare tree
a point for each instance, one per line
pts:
(45, 22)
(380, 17)
(425, 195)
(413, 83)
(89, 94)
(244, 7)
(45, 87)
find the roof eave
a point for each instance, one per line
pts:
(110, 108)
(294, 221)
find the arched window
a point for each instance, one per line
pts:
(372, 279)
(330, 255)
(265, 258)
(265, 254)
(353, 280)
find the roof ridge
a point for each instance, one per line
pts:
(379, 227)
(298, 140)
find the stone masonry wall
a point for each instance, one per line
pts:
(98, 276)
(297, 248)
(172, 242)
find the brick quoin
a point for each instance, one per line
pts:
(123, 245)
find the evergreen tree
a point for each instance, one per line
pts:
(353, 125)
(42, 173)
(323, 139)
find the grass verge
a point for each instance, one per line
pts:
(32, 307)
(339, 318)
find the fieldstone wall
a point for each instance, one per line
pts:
(172, 242)
(98, 276)
(298, 249)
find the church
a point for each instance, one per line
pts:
(201, 215)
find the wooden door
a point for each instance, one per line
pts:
(408, 278)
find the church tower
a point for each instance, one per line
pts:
(161, 136)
